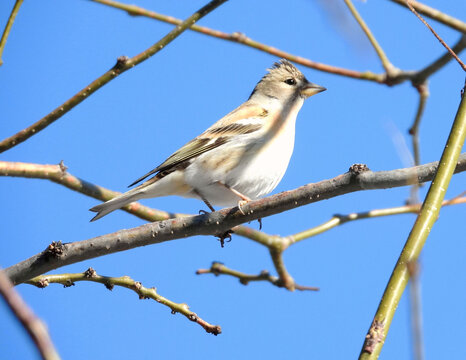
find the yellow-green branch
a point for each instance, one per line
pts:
(8, 26)
(126, 282)
(417, 238)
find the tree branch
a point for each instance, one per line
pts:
(387, 65)
(90, 274)
(218, 222)
(8, 27)
(123, 64)
(417, 238)
(463, 66)
(31, 323)
(220, 269)
(435, 15)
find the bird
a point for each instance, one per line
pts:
(242, 157)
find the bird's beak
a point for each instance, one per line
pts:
(311, 89)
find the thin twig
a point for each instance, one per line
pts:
(422, 75)
(418, 236)
(219, 222)
(436, 15)
(240, 38)
(90, 274)
(220, 269)
(31, 323)
(408, 2)
(8, 27)
(423, 90)
(123, 64)
(388, 66)
(338, 220)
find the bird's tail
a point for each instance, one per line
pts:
(116, 203)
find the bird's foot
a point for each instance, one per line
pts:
(225, 235)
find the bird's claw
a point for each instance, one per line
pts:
(225, 235)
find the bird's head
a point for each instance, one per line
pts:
(284, 82)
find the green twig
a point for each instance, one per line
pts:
(8, 26)
(123, 64)
(220, 269)
(125, 281)
(416, 240)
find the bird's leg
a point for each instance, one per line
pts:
(204, 199)
(244, 198)
(226, 234)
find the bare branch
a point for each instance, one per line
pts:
(220, 221)
(220, 269)
(436, 15)
(388, 66)
(338, 220)
(90, 274)
(8, 27)
(123, 64)
(31, 323)
(240, 38)
(408, 2)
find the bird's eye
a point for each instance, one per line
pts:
(290, 81)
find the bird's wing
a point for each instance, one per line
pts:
(244, 120)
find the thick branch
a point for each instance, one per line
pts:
(220, 221)
(124, 63)
(126, 282)
(32, 324)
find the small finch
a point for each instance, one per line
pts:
(241, 157)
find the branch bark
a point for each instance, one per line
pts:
(31, 323)
(217, 223)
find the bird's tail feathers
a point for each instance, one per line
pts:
(115, 203)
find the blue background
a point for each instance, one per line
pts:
(132, 124)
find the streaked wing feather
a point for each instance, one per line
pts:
(215, 136)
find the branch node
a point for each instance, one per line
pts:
(109, 285)
(42, 283)
(90, 273)
(357, 169)
(374, 336)
(56, 249)
(121, 62)
(68, 283)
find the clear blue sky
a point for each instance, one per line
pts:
(135, 122)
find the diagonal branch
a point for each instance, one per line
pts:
(408, 2)
(218, 222)
(435, 15)
(387, 65)
(8, 27)
(32, 324)
(123, 64)
(417, 237)
(240, 38)
(90, 274)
